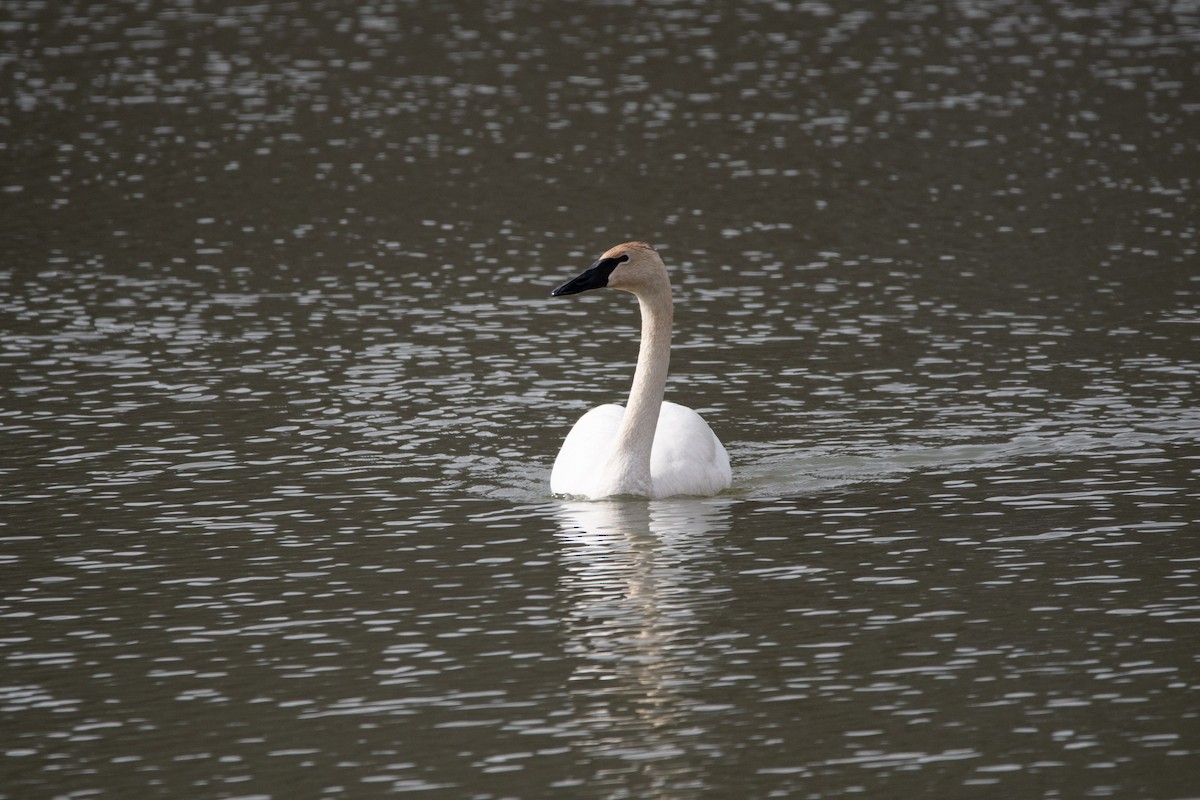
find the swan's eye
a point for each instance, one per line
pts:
(611, 263)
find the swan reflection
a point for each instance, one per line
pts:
(640, 586)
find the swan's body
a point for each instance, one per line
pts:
(686, 457)
(650, 448)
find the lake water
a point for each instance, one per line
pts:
(281, 383)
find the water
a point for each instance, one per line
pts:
(282, 385)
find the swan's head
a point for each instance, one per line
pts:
(631, 267)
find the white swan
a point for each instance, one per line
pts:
(651, 448)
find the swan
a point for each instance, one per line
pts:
(651, 448)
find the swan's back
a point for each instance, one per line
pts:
(686, 457)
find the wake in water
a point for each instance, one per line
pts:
(788, 469)
(777, 470)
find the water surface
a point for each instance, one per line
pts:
(282, 385)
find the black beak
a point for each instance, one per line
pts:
(594, 277)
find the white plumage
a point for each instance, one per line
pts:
(652, 448)
(686, 457)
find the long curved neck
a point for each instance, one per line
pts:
(630, 462)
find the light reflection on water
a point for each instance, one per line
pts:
(280, 387)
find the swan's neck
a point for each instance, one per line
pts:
(629, 465)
